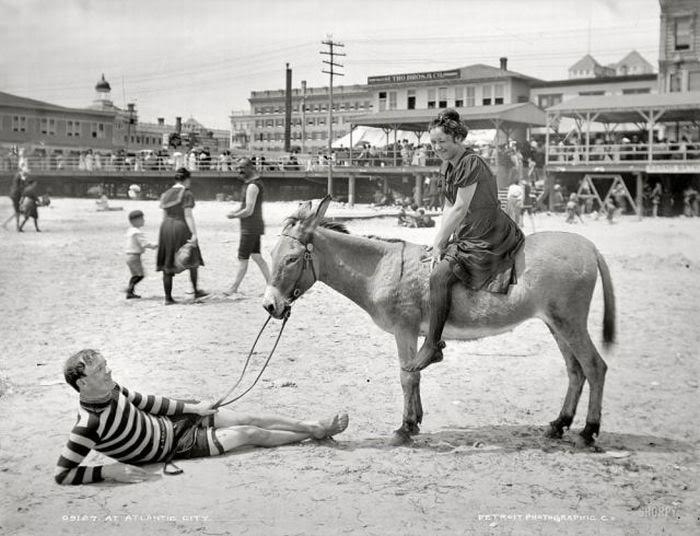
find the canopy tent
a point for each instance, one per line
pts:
(503, 116)
(378, 137)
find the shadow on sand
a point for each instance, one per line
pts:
(512, 438)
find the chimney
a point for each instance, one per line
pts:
(178, 125)
(504, 63)
(161, 121)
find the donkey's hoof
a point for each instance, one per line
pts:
(400, 438)
(583, 442)
(553, 432)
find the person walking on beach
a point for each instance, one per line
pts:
(146, 429)
(252, 224)
(176, 229)
(30, 206)
(16, 188)
(476, 242)
(136, 244)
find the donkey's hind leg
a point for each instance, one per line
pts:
(573, 392)
(594, 368)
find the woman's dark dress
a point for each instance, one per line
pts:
(174, 232)
(486, 240)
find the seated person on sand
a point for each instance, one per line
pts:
(103, 204)
(137, 429)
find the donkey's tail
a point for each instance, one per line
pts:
(608, 300)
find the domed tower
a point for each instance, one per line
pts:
(102, 94)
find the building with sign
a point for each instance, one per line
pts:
(473, 85)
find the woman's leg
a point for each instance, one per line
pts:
(168, 288)
(441, 281)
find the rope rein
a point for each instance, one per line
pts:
(170, 468)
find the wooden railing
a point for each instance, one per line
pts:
(622, 153)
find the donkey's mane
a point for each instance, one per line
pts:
(304, 212)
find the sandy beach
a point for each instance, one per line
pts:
(481, 464)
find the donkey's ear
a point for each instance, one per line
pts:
(322, 207)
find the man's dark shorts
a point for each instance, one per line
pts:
(196, 437)
(250, 243)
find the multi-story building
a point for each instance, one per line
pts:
(473, 85)
(42, 128)
(309, 128)
(679, 46)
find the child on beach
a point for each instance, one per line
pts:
(136, 244)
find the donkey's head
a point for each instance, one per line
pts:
(294, 268)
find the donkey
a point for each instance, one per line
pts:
(389, 279)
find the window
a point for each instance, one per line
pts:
(498, 92)
(48, 126)
(97, 130)
(459, 97)
(636, 90)
(694, 81)
(392, 100)
(411, 100)
(589, 93)
(675, 82)
(442, 97)
(368, 105)
(19, 123)
(431, 98)
(382, 101)
(471, 99)
(486, 95)
(258, 110)
(682, 33)
(73, 129)
(279, 122)
(545, 101)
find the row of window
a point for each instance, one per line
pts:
(48, 126)
(314, 107)
(279, 136)
(72, 129)
(296, 122)
(442, 97)
(552, 99)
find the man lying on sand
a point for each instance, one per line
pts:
(136, 429)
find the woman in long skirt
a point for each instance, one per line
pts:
(176, 229)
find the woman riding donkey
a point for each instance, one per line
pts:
(476, 243)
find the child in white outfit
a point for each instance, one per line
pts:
(136, 244)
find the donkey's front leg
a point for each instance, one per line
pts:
(407, 342)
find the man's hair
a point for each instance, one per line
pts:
(135, 214)
(74, 369)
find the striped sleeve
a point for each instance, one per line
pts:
(155, 405)
(82, 439)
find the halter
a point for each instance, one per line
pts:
(308, 261)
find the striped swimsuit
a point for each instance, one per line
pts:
(129, 427)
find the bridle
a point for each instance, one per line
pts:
(308, 262)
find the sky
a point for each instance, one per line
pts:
(202, 59)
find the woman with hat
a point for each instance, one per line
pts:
(476, 242)
(176, 230)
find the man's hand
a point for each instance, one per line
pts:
(231, 215)
(201, 408)
(122, 472)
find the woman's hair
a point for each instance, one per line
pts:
(450, 123)
(182, 174)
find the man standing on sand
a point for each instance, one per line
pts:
(252, 224)
(137, 429)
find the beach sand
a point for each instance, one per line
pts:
(481, 464)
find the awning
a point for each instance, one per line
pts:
(476, 117)
(632, 108)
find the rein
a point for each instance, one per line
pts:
(195, 419)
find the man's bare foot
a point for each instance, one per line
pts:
(428, 353)
(332, 426)
(231, 291)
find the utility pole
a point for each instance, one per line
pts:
(303, 116)
(288, 112)
(331, 73)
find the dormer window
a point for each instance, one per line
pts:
(682, 34)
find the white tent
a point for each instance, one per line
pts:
(378, 138)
